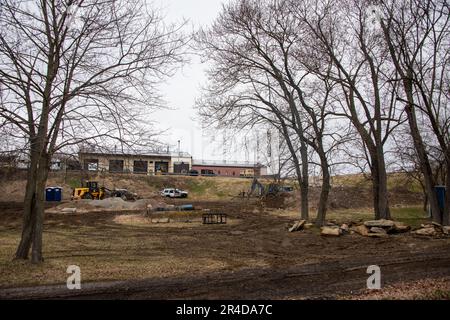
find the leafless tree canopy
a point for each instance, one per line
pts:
(72, 71)
(339, 79)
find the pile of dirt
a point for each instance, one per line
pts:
(106, 205)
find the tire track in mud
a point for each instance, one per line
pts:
(312, 281)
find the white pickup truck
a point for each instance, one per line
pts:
(174, 193)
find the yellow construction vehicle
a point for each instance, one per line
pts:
(90, 191)
(247, 173)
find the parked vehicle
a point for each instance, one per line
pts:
(124, 194)
(193, 173)
(287, 189)
(208, 173)
(90, 190)
(174, 193)
(247, 173)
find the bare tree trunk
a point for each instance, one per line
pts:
(383, 196)
(446, 215)
(304, 185)
(379, 185)
(29, 208)
(325, 191)
(36, 250)
(424, 161)
(425, 200)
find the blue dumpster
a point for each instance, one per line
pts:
(57, 194)
(49, 194)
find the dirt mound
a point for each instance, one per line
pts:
(106, 205)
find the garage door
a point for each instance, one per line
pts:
(140, 166)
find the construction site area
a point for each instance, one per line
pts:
(228, 239)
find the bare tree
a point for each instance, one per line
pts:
(417, 34)
(258, 58)
(76, 70)
(360, 68)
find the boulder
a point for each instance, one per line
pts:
(362, 230)
(399, 227)
(330, 231)
(436, 225)
(380, 223)
(446, 230)
(378, 230)
(344, 228)
(298, 225)
(428, 231)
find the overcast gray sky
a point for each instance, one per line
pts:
(181, 90)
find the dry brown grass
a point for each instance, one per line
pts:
(128, 249)
(412, 215)
(426, 289)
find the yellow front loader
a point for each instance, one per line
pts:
(90, 191)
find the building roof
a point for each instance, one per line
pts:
(235, 164)
(136, 153)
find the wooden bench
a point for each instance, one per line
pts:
(214, 218)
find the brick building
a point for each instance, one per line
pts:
(136, 162)
(229, 169)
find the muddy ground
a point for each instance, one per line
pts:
(260, 259)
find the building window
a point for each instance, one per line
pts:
(140, 166)
(91, 164)
(234, 173)
(218, 172)
(181, 167)
(162, 167)
(115, 165)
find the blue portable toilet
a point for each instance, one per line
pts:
(49, 194)
(57, 194)
(440, 194)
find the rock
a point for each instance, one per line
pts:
(399, 227)
(298, 225)
(446, 230)
(378, 230)
(429, 231)
(436, 224)
(330, 231)
(69, 210)
(308, 225)
(380, 223)
(344, 227)
(362, 230)
(237, 232)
